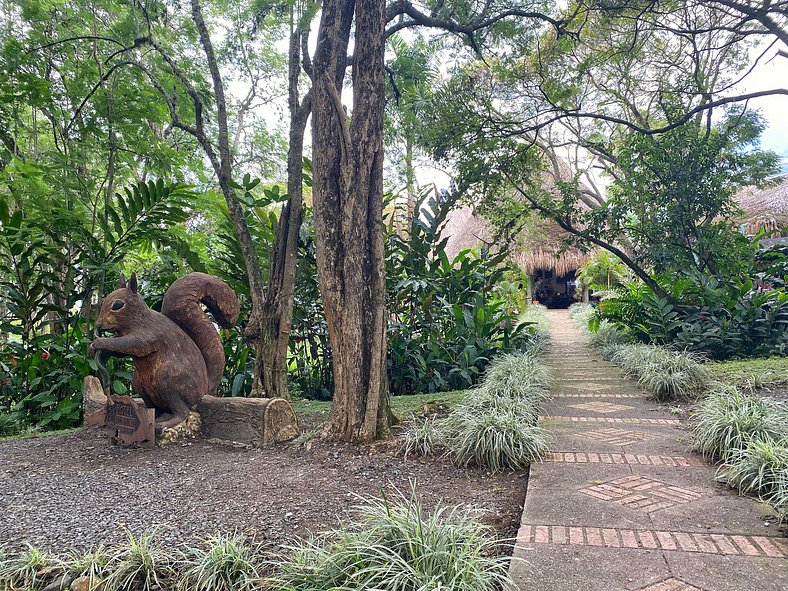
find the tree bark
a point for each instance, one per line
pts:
(348, 202)
(276, 315)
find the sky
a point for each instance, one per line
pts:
(770, 73)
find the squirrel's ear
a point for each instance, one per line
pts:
(133, 283)
(121, 281)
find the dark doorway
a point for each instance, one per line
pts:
(554, 291)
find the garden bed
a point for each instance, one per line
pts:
(74, 491)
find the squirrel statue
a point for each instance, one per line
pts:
(178, 356)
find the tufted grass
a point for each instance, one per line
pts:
(225, 562)
(398, 547)
(726, 420)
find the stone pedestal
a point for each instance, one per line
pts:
(94, 402)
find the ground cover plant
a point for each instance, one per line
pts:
(768, 372)
(748, 434)
(726, 419)
(387, 544)
(496, 426)
(397, 546)
(665, 373)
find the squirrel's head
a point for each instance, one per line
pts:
(121, 309)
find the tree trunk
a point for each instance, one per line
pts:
(348, 201)
(277, 312)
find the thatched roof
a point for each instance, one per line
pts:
(764, 209)
(539, 246)
(464, 229)
(542, 246)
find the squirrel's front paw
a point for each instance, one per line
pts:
(92, 349)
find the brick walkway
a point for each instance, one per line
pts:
(622, 504)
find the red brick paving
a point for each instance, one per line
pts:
(725, 544)
(615, 436)
(653, 552)
(627, 420)
(603, 407)
(612, 458)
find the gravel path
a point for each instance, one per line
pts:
(76, 491)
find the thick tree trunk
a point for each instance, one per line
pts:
(348, 201)
(277, 313)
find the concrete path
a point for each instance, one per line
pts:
(622, 504)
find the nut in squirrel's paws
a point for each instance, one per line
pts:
(184, 430)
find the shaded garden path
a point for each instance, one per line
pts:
(622, 504)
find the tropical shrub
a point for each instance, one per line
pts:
(55, 259)
(720, 319)
(447, 319)
(398, 546)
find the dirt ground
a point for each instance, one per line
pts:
(75, 491)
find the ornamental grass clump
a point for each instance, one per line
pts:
(502, 436)
(727, 420)
(496, 428)
(581, 314)
(607, 339)
(140, 566)
(423, 437)
(398, 547)
(757, 467)
(225, 562)
(778, 496)
(93, 564)
(516, 376)
(664, 373)
(674, 374)
(24, 571)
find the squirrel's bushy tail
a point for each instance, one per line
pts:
(181, 304)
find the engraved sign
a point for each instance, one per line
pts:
(123, 417)
(129, 421)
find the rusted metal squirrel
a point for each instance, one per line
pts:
(178, 356)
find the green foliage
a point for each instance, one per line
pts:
(91, 563)
(603, 271)
(727, 420)
(23, 571)
(446, 319)
(496, 428)
(225, 562)
(50, 263)
(398, 547)
(666, 374)
(422, 437)
(140, 566)
(751, 373)
(720, 319)
(672, 201)
(496, 438)
(758, 467)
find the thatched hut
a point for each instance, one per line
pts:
(538, 250)
(765, 210)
